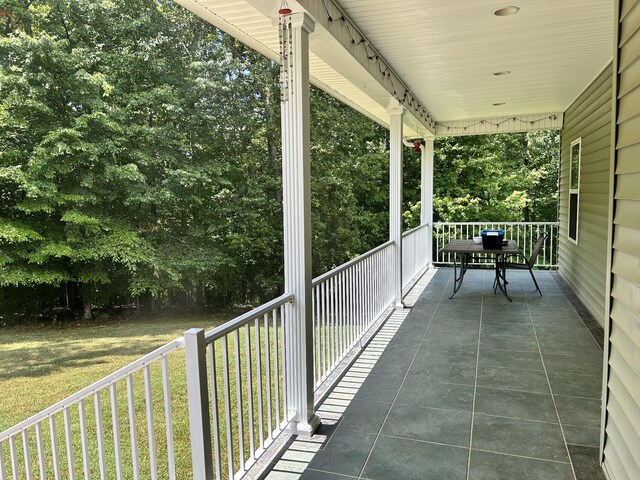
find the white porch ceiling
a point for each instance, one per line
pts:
(446, 52)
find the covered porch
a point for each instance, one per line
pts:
(472, 387)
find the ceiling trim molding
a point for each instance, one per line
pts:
(328, 14)
(506, 124)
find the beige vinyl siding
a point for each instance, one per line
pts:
(584, 266)
(622, 428)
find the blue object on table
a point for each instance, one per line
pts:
(492, 239)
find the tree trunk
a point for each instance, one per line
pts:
(86, 301)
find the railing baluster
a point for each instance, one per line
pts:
(248, 369)
(353, 307)
(97, 404)
(83, 439)
(27, 456)
(115, 425)
(267, 352)
(325, 323)
(227, 405)
(283, 326)
(276, 367)
(168, 417)
(55, 455)
(133, 431)
(3, 470)
(42, 461)
(259, 383)
(314, 335)
(215, 411)
(239, 398)
(68, 435)
(13, 454)
(150, 425)
(343, 315)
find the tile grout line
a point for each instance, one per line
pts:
(553, 400)
(475, 383)
(366, 461)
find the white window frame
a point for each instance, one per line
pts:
(574, 191)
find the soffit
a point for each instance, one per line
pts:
(445, 52)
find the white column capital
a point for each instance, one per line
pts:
(395, 107)
(303, 20)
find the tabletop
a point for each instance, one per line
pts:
(469, 246)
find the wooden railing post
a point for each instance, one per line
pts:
(198, 398)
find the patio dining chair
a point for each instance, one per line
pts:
(526, 264)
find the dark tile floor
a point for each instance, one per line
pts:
(470, 388)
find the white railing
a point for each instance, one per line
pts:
(228, 389)
(346, 302)
(415, 253)
(241, 367)
(524, 233)
(105, 430)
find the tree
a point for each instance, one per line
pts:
(502, 177)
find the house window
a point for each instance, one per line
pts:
(574, 189)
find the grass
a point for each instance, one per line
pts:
(41, 365)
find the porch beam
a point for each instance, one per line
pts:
(296, 187)
(396, 112)
(426, 193)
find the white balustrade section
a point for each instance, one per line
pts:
(415, 254)
(346, 302)
(235, 397)
(243, 411)
(82, 434)
(524, 233)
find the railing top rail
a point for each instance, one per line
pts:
(94, 387)
(245, 318)
(497, 223)
(344, 266)
(413, 230)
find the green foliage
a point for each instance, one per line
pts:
(140, 161)
(500, 177)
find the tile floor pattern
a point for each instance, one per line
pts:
(470, 388)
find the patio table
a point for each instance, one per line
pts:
(467, 249)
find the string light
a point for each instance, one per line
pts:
(407, 98)
(500, 123)
(356, 39)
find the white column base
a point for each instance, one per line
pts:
(304, 429)
(400, 305)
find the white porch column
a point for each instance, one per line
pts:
(296, 187)
(396, 112)
(426, 193)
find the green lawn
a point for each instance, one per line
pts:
(42, 365)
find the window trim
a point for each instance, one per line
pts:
(574, 191)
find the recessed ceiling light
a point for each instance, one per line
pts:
(498, 104)
(504, 72)
(506, 11)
